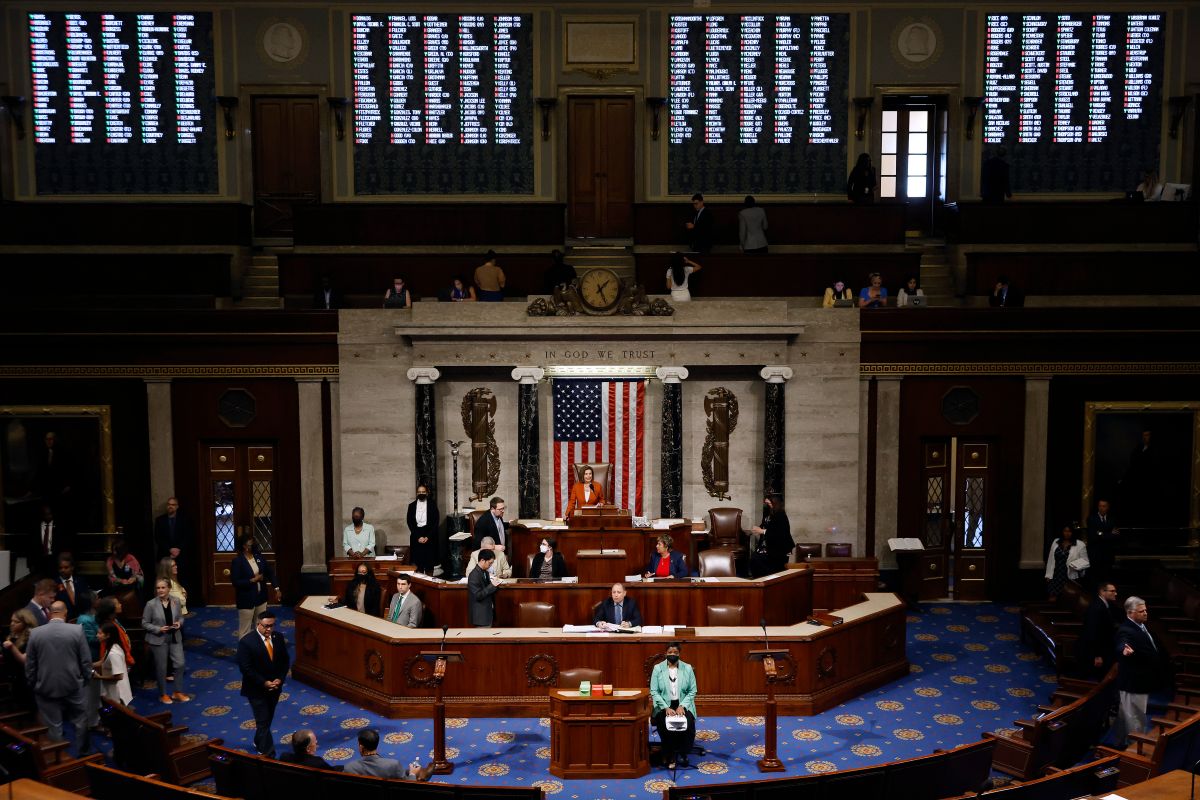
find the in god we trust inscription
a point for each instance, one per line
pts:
(589, 355)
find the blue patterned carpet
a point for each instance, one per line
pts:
(969, 674)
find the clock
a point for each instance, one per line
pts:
(237, 408)
(960, 406)
(600, 290)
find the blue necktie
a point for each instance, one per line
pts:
(617, 606)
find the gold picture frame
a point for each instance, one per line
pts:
(101, 482)
(1140, 409)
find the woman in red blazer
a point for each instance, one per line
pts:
(584, 493)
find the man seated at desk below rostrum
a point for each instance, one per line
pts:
(548, 564)
(358, 539)
(666, 563)
(618, 611)
(405, 608)
(500, 566)
(584, 493)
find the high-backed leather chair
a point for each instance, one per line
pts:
(838, 549)
(529, 565)
(806, 550)
(571, 678)
(726, 615)
(717, 564)
(725, 528)
(473, 517)
(603, 475)
(537, 615)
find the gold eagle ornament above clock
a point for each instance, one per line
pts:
(600, 291)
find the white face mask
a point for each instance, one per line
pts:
(545, 548)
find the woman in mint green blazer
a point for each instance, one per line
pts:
(673, 691)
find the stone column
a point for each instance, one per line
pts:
(425, 451)
(335, 456)
(887, 466)
(672, 440)
(529, 465)
(162, 444)
(774, 444)
(312, 467)
(1033, 482)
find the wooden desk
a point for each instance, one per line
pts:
(29, 789)
(638, 544)
(341, 572)
(601, 566)
(1170, 786)
(839, 582)
(508, 671)
(783, 599)
(599, 737)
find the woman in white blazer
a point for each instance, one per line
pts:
(1067, 560)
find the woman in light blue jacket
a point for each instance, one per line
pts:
(673, 692)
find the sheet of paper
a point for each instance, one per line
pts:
(905, 544)
(460, 537)
(579, 629)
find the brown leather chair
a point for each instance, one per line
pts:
(726, 616)
(529, 565)
(717, 564)
(402, 551)
(537, 615)
(603, 475)
(838, 549)
(571, 678)
(806, 550)
(473, 517)
(725, 528)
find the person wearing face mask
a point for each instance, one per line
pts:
(548, 564)
(358, 539)
(673, 692)
(422, 528)
(839, 291)
(363, 593)
(774, 539)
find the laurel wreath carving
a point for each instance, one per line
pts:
(309, 642)
(785, 668)
(492, 449)
(706, 454)
(374, 664)
(826, 662)
(418, 672)
(541, 670)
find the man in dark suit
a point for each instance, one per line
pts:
(492, 524)
(1102, 542)
(700, 229)
(58, 666)
(69, 586)
(325, 297)
(173, 534)
(618, 611)
(423, 530)
(49, 542)
(264, 661)
(304, 752)
(43, 595)
(1005, 295)
(1143, 668)
(1094, 649)
(481, 587)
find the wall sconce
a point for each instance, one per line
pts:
(863, 106)
(546, 104)
(655, 104)
(16, 110)
(229, 106)
(1178, 106)
(971, 104)
(338, 106)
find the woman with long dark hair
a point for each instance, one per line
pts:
(860, 185)
(678, 273)
(774, 539)
(363, 594)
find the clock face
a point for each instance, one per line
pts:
(599, 289)
(237, 408)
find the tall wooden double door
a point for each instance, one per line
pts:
(239, 495)
(600, 154)
(958, 519)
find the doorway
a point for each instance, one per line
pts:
(287, 161)
(957, 522)
(239, 493)
(914, 138)
(600, 155)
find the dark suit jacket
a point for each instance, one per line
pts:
(485, 526)
(606, 612)
(1013, 298)
(679, 567)
(372, 598)
(1101, 545)
(41, 562)
(247, 593)
(701, 239)
(778, 542)
(480, 602)
(424, 554)
(307, 760)
(1146, 669)
(1096, 638)
(558, 566)
(81, 588)
(184, 537)
(335, 301)
(257, 668)
(40, 614)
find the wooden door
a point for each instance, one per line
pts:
(287, 161)
(937, 521)
(239, 493)
(600, 171)
(958, 517)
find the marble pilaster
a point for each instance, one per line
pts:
(529, 472)
(1033, 480)
(887, 466)
(774, 443)
(312, 466)
(425, 426)
(162, 443)
(672, 440)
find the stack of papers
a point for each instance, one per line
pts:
(905, 544)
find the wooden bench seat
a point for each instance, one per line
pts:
(1154, 755)
(113, 784)
(29, 755)
(1097, 778)
(146, 744)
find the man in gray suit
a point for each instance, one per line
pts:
(481, 587)
(58, 666)
(405, 608)
(377, 766)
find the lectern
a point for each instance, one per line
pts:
(770, 761)
(440, 658)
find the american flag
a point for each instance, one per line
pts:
(600, 421)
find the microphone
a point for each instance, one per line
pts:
(762, 623)
(444, 629)
(1193, 771)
